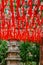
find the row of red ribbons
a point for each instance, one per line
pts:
(21, 28)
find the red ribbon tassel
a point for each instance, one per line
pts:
(30, 3)
(6, 1)
(18, 3)
(12, 10)
(2, 14)
(2, 6)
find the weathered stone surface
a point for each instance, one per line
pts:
(12, 63)
(13, 57)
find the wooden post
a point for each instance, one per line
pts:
(41, 52)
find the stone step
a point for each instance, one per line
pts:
(13, 59)
(13, 55)
(13, 51)
(13, 62)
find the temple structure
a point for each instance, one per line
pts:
(13, 57)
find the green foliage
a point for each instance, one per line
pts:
(23, 51)
(3, 51)
(41, 0)
(29, 52)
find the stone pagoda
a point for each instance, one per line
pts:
(13, 57)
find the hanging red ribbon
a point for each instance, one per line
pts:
(25, 27)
